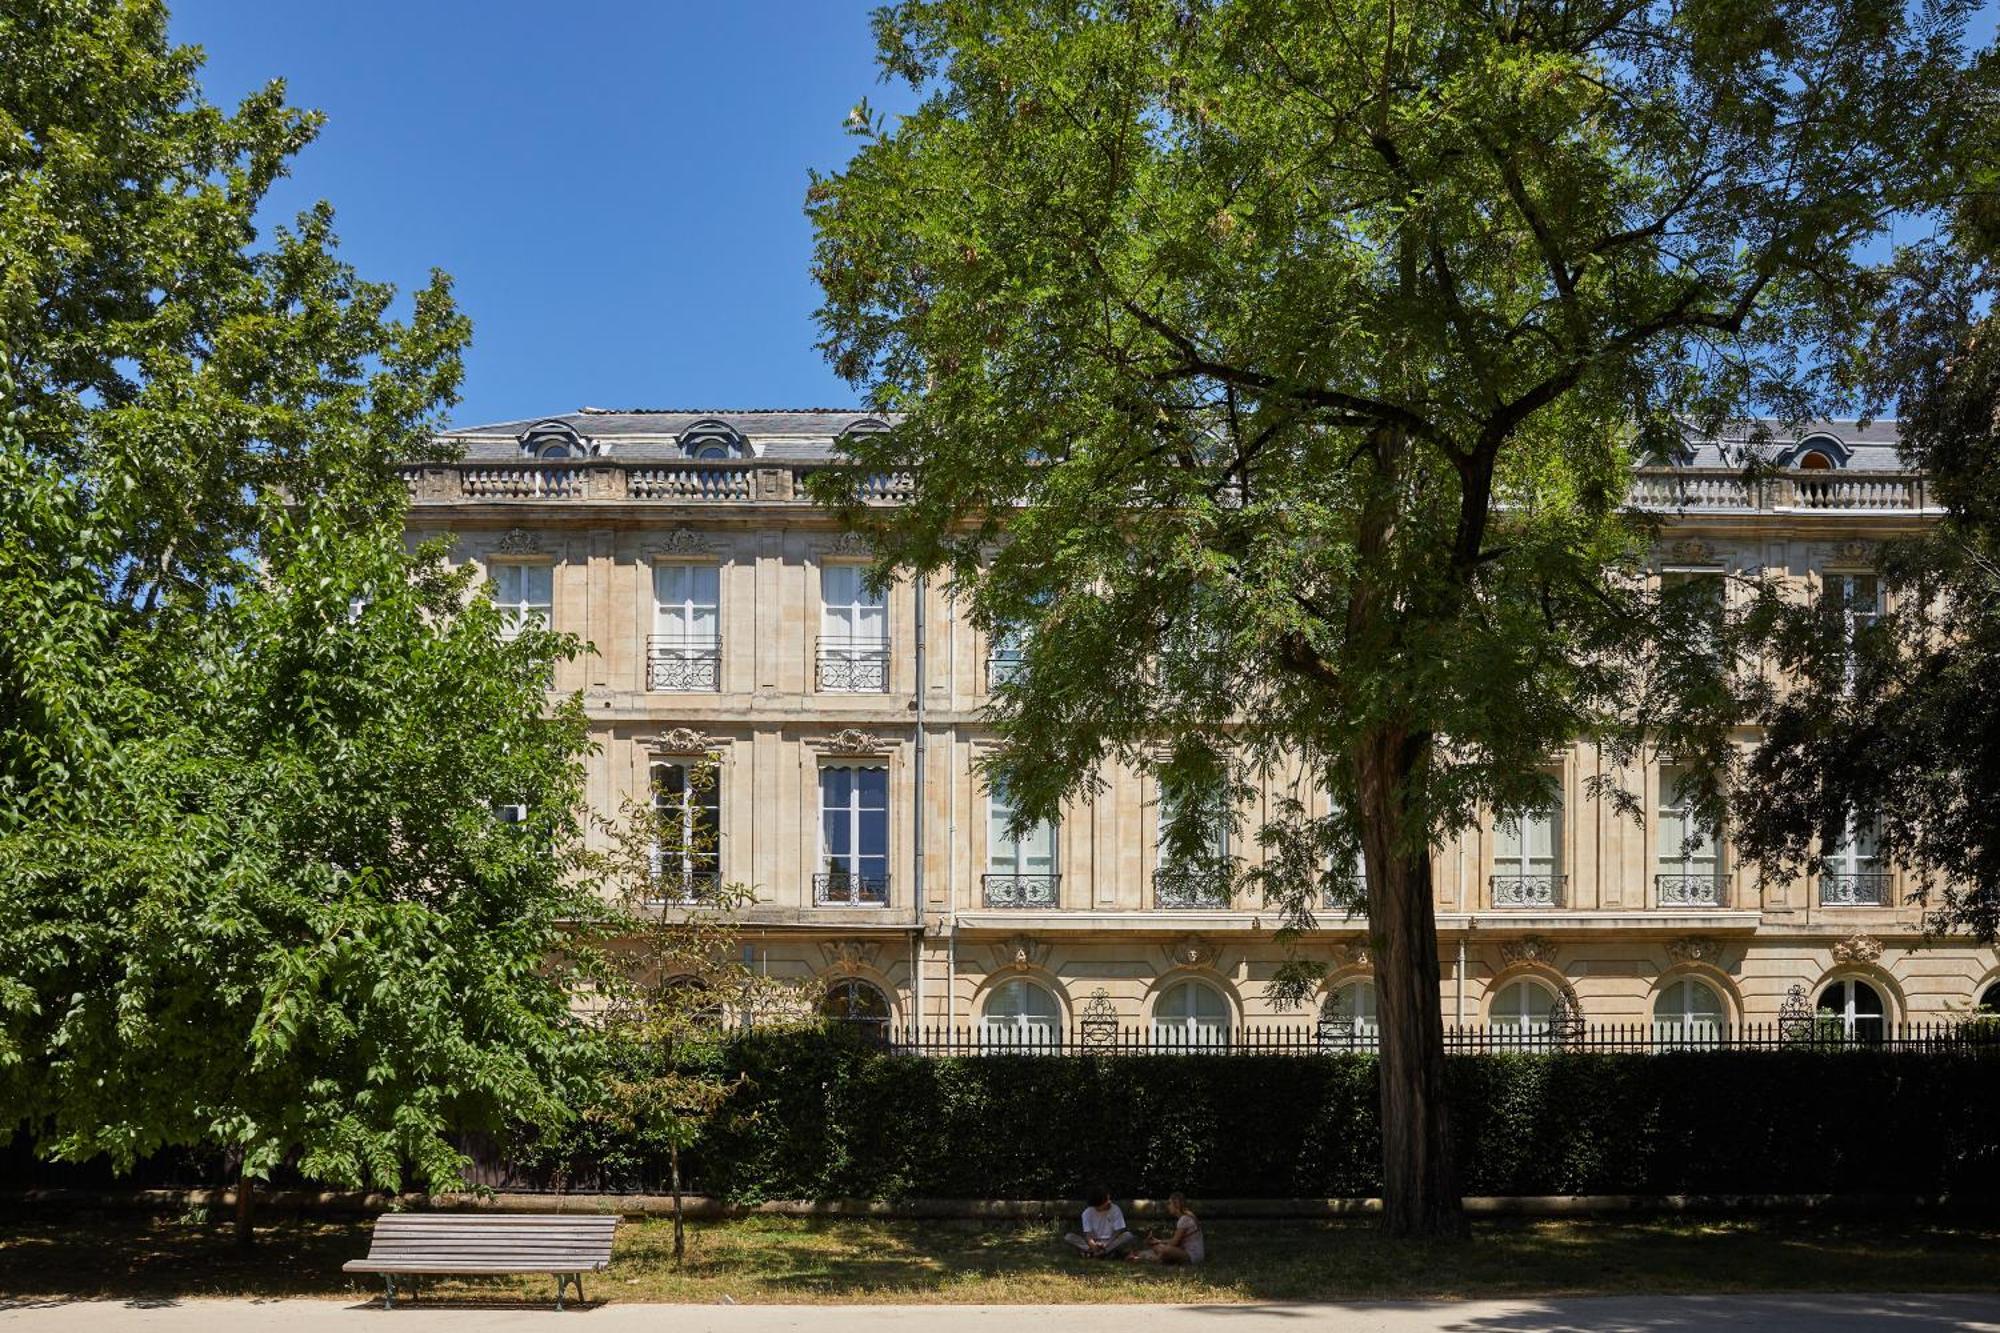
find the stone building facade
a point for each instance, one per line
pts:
(729, 621)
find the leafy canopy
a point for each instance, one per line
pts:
(1279, 364)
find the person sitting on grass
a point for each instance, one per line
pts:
(1104, 1233)
(1184, 1246)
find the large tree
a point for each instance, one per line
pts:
(258, 887)
(1274, 368)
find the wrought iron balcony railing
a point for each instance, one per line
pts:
(1000, 670)
(1528, 890)
(682, 665)
(1004, 890)
(1703, 890)
(853, 666)
(841, 888)
(690, 888)
(1189, 887)
(1853, 888)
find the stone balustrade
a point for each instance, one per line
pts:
(738, 481)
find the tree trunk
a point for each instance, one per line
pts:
(1419, 1178)
(246, 1198)
(674, 1168)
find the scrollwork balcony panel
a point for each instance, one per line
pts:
(1021, 891)
(1001, 670)
(842, 889)
(1688, 890)
(683, 666)
(1190, 888)
(853, 666)
(1528, 890)
(1865, 888)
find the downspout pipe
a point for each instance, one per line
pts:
(922, 814)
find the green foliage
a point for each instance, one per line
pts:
(255, 892)
(822, 1118)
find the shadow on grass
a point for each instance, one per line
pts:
(767, 1259)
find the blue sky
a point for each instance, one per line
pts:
(616, 187)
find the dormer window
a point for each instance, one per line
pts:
(869, 425)
(553, 441)
(713, 438)
(1818, 453)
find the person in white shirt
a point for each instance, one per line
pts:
(1104, 1232)
(1185, 1245)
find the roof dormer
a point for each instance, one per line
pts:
(712, 437)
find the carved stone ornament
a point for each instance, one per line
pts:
(1857, 552)
(517, 541)
(1694, 949)
(1857, 949)
(851, 740)
(1693, 549)
(850, 543)
(1191, 951)
(685, 541)
(680, 740)
(849, 955)
(1019, 953)
(1531, 949)
(1344, 956)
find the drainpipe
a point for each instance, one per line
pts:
(922, 817)
(1458, 975)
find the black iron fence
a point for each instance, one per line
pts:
(1335, 1037)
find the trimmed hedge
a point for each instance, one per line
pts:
(824, 1118)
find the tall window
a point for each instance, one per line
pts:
(685, 648)
(1854, 1010)
(1527, 871)
(523, 593)
(1191, 1013)
(1697, 596)
(1349, 1013)
(1688, 872)
(1020, 1012)
(1019, 871)
(1003, 660)
(1688, 1013)
(688, 857)
(854, 835)
(1523, 1008)
(1181, 881)
(854, 632)
(1858, 599)
(1853, 875)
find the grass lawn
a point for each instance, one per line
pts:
(768, 1259)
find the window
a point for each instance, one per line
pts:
(1688, 1013)
(1020, 872)
(854, 836)
(1695, 598)
(1526, 869)
(1191, 1013)
(685, 649)
(1003, 657)
(1199, 881)
(1688, 871)
(1523, 1008)
(688, 857)
(1857, 598)
(523, 594)
(1853, 1010)
(1853, 875)
(1814, 460)
(856, 1003)
(1989, 1003)
(1022, 1013)
(854, 632)
(1348, 1014)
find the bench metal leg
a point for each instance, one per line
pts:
(562, 1282)
(388, 1291)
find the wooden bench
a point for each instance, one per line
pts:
(564, 1245)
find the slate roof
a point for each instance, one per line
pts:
(807, 434)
